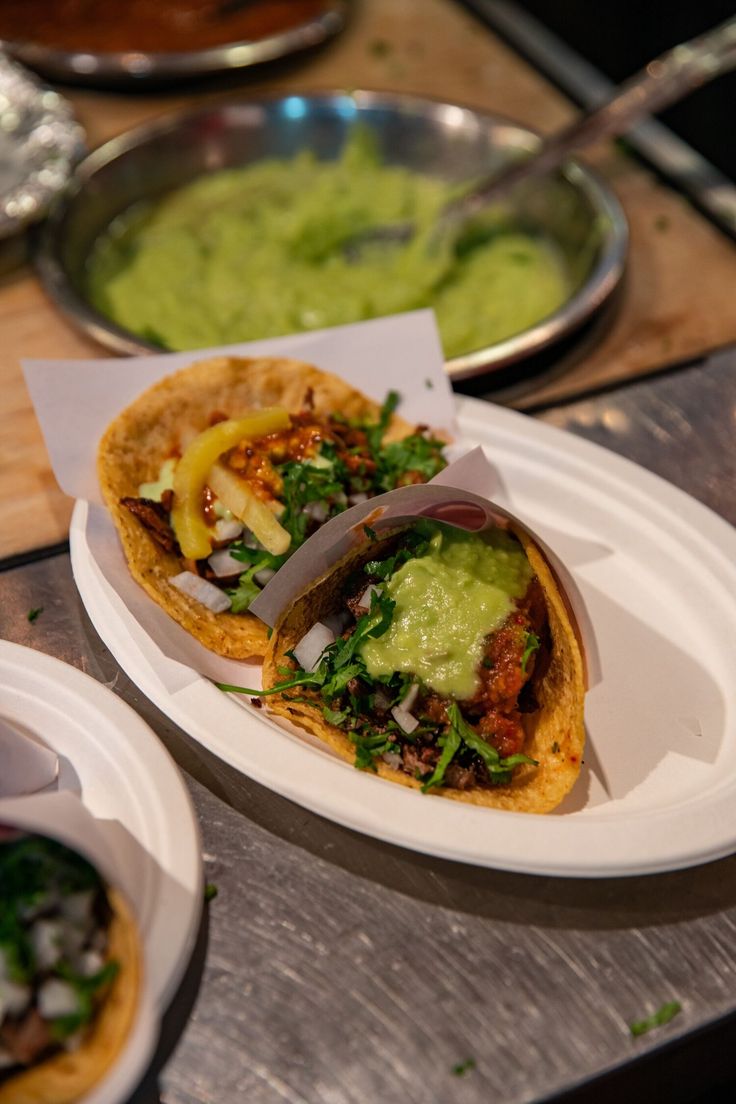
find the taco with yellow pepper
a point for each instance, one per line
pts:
(70, 972)
(442, 659)
(216, 474)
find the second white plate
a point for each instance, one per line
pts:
(657, 571)
(126, 779)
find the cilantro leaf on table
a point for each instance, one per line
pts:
(461, 1068)
(662, 1016)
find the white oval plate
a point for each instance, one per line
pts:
(657, 571)
(126, 779)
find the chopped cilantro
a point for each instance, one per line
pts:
(34, 613)
(210, 891)
(428, 384)
(464, 1067)
(662, 1016)
(248, 589)
(532, 644)
(450, 744)
(499, 770)
(377, 431)
(371, 534)
(335, 716)
(85, 989)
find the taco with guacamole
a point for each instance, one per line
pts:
(70, 972)
(441, 659)
(216, 474)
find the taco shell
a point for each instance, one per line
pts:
(66, 1077)
(151, 429)
(556, 734)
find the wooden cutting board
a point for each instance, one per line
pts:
(677, 302)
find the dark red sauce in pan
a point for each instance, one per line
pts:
(149, 26)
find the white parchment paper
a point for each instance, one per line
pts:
(75, 400)
(27, 765)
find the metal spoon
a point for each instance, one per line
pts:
(666, 79)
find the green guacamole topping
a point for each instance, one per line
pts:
(256, 252)
(447, 602)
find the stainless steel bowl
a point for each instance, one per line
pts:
(445, 140)
(135, 68)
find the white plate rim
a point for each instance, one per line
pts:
(168, 941)
(350, 804)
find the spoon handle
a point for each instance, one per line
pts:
(666, 79)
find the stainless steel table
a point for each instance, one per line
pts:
(342, 970)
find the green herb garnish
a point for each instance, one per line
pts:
(532, 644)
(459, 733)
(210, 891)
(464, 1067)
(34, 613)
(662, 1016)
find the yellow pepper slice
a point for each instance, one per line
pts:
(194, 467)
(234, 493)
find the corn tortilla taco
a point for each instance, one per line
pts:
(71, 973)
(217, 473)
(443, 660)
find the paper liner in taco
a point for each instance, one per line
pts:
(526, 703)
(163, 422)
(58, 1059)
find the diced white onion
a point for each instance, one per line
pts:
(311, 646)
(14, 998)
(392, 758)
(57, 998)
(89, 963)
(407, 702)
(223, 564)
(265, 575)
(202, 591)
(228, 528)
(359, 496)
(318, 461)
(404, 720)
(338, 621)
(364, 602)
(46, 943)
(317, 511)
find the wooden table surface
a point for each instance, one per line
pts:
(677, 298)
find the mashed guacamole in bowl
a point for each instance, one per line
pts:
(258, 251)
(228, 222)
